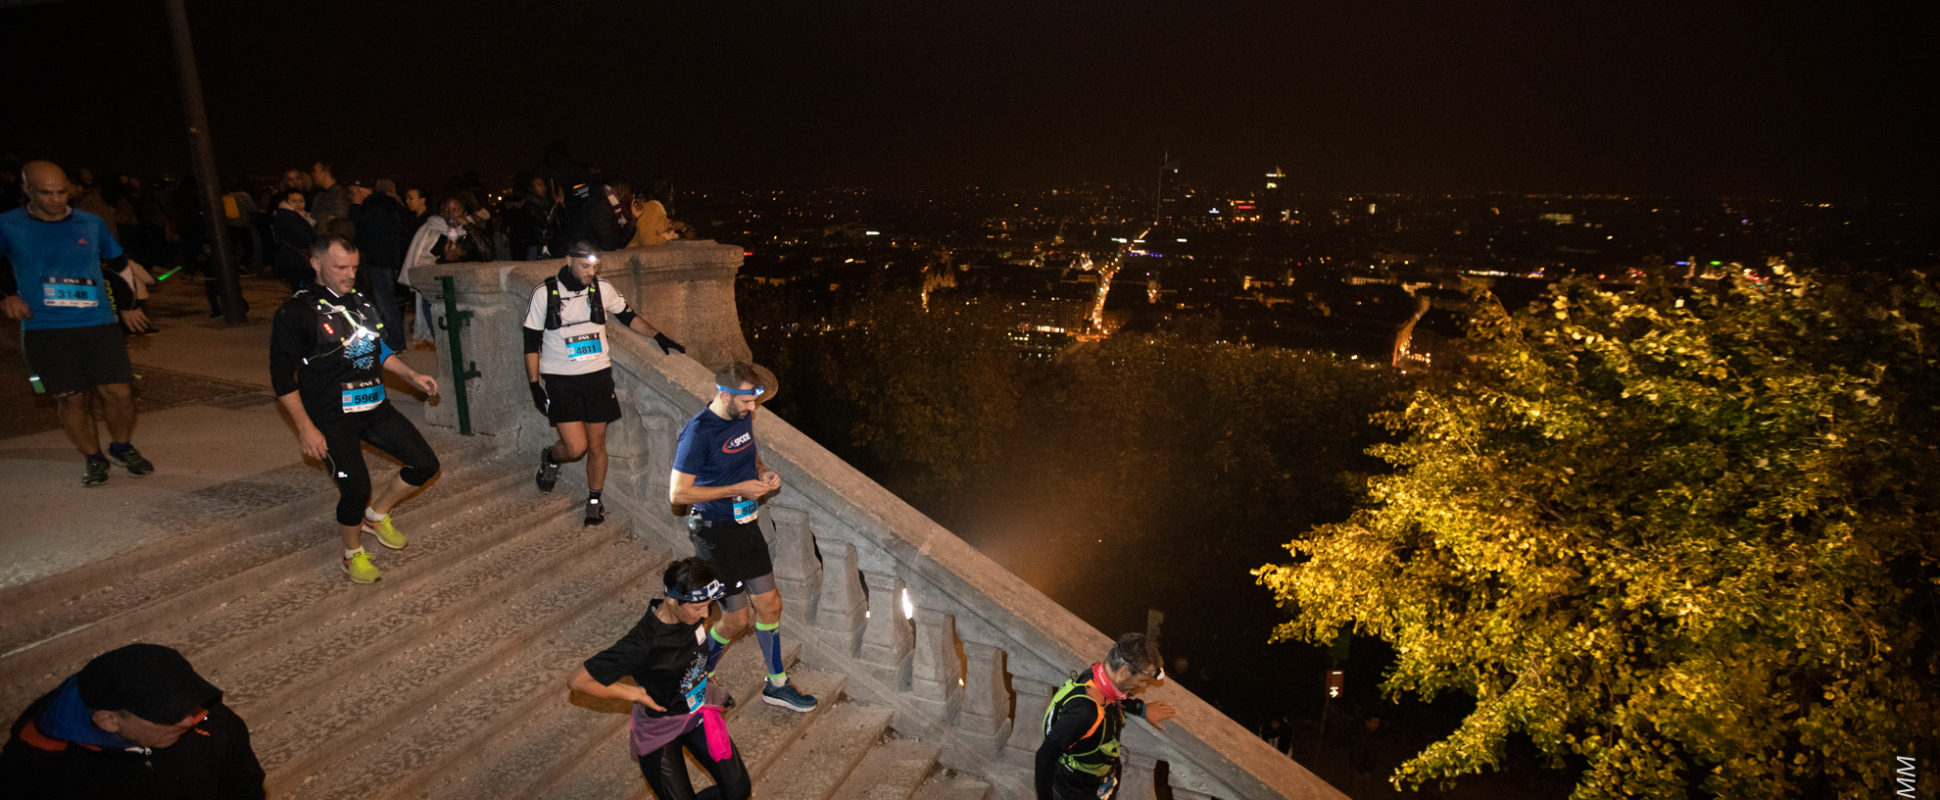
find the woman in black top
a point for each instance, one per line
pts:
(665, 655)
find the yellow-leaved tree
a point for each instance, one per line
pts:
(1687, 540)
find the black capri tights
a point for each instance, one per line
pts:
(666, 770)
(386, 430)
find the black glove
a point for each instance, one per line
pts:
(667, 346)
(539, 399)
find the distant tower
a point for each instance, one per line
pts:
(1170, 192)
(1273, 199)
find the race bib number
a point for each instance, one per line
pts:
(746, 511)
(71, 293)
(697, 696)
(580, 348)
(362, 395)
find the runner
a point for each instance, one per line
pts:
(565, 330)
(327, 362)
(718, 472)
(675, 707)
(1079, 759)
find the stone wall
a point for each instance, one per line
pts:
(968, 661)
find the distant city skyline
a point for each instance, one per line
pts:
(1791, 100)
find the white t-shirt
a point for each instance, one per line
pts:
(578, 347)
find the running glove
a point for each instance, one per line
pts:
(539, 399)
(667, 346)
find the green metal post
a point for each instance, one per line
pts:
(461, 371)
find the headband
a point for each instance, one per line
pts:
(712, 591)
(756, 391)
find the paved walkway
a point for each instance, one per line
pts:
(207, 419)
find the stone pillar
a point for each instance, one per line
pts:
(936, 671)
(791, 543)
(1135, 779)
(838, 615)
(1027, 723)
(886, 638)
(686, 288)
(633, 447)
(986, 703)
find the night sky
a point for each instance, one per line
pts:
(1810, 100)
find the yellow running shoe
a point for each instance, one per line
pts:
(386, 533)
(359, 568)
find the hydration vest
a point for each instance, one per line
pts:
(1099, 760)
(340, 322)
(553, 303)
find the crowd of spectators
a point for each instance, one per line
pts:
(270, 223)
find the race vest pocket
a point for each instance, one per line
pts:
(362, 395)
(746, 511)
(580, 348)
(71, 293)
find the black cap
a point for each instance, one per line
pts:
(148, 680)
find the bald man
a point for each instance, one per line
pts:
(62, 289)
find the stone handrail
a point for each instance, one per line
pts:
(962, 651)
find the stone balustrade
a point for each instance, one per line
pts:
(963, 652)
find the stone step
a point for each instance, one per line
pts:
(196, 526)
(822, 758)
(564, 736)
(468, 715)
(148, 606)
(313, 739)
(891, 771)
(607, 769)
(947, 785)
(763, 732)
(352, 637)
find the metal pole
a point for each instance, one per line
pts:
(205, 161)
(454, 324)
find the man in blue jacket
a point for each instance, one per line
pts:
(66, 304)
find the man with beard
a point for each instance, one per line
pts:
(718, 472)
(327, 363)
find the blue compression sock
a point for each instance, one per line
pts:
(769, 635)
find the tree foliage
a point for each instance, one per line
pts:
(1684, 540)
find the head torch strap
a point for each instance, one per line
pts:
(755, 392)
(712, 591)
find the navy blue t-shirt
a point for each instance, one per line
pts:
(717, 452)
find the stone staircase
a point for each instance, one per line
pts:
(447, 679)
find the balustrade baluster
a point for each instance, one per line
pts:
(886, 638)
(937, 674)
(838, 615)
(986, 703)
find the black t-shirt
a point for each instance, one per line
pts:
(666, 659)
(331, 349)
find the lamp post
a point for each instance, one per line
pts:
(204, 160)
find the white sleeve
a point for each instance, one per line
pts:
(611, 298)
(535, 311)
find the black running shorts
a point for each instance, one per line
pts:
(739, 552)
(582, 398)
(70, 360)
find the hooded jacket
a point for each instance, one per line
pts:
(56, 752)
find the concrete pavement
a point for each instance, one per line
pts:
(220, 442)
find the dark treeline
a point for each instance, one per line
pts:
(1135, 473)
